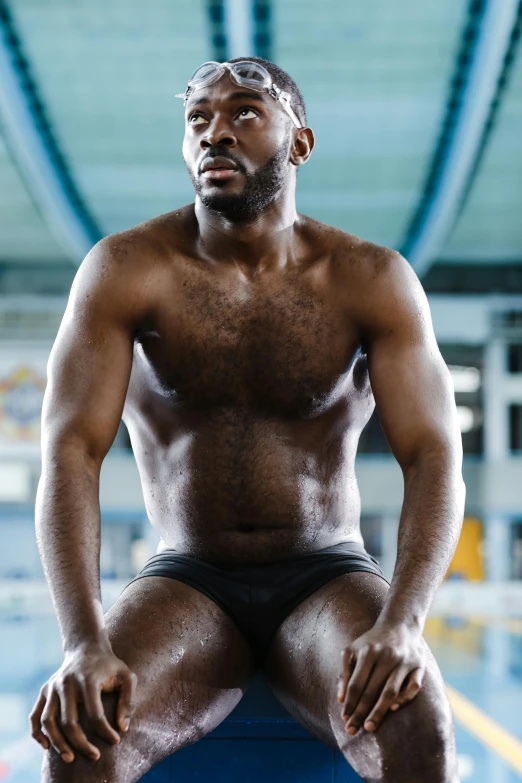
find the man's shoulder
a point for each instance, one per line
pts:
(372, 278)
(124, 269)
(153, 239)
(352, 253)
(368, 260)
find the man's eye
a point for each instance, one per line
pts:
(247, 114)
(196, 119)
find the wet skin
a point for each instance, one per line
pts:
(240, 357)
(258, 388)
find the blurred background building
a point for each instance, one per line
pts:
(417, 110)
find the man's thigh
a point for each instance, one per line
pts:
(303, 667)
(192, 663)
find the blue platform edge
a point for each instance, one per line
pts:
(259, 741)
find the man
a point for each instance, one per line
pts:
(237, 339)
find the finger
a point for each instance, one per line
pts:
(410, 688)
(52, 729)
(357, 682)
(70, 724)
(349, 659)
(35, 721)
(389, 694)
(96, 713)
(126, 700)
(368, 697)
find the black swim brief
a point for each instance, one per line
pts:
(259, 597)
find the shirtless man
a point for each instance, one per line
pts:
(238, 339)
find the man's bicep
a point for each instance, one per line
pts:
(411, 383)
(89, 366)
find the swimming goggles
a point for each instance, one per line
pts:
(253, 76)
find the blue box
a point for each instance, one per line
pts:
(258, 742)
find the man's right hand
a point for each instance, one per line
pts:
(85, 674)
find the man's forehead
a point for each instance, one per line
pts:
(214, 92)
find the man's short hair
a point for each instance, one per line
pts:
(284, 81)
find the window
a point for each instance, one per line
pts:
(515, 427)
(515, 357)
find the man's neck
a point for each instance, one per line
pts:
(264, 243)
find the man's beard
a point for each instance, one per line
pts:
(260, 189)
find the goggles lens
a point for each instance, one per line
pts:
(206, 74)
(251, 75)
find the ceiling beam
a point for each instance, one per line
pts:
(240, 28)
(483, 57)
(218, 37)
(262, 10)
(35, 151)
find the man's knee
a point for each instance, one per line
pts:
(117, 763)
(121, 763)
(420, 742)
(415, 743)
(139, 749)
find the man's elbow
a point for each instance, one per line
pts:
(442, 455)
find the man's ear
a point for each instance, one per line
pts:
(304, 141)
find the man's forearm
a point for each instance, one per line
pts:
(68, 535)
(429, 530)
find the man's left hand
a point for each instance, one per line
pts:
(382, 670)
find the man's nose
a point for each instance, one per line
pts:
(218, 134)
